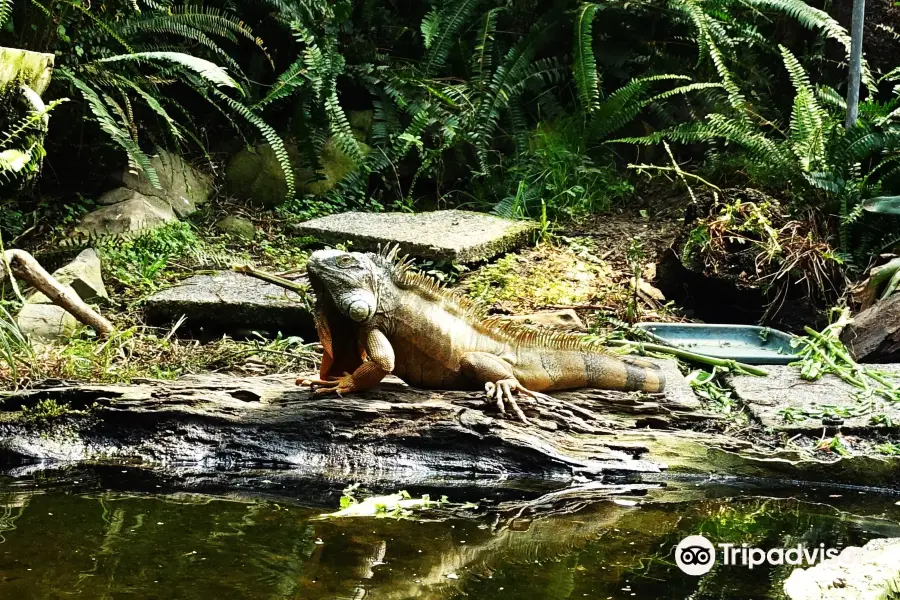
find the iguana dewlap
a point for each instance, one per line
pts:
(375, 317)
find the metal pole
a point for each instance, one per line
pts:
(856, 38)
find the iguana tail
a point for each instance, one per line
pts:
(623, 373)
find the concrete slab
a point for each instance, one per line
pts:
(228, 302)
(458, 235)
(679, 394)
(783, 388)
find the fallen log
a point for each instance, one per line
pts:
(208, 428)
(218, 421)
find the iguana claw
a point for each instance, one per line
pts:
(502, 393)
(333, 385)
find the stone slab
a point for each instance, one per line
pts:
(783, 387)
(231, 302)
(679, 394)
(462, 236)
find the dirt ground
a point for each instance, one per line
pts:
(588, 265)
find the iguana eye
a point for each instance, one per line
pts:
(345, 261)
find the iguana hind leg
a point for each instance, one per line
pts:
(499, 381)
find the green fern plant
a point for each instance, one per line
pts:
(21, 147)
(6, 7)
(121, 59)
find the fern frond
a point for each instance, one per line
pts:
(287, 83)
(451, 18)
(506, 83)
(166, 26)
(685, 89)
(828, 95)
(430, 25)
(584, 65)
(819, 20)
(807, 132)
(269, 134)
(481, 62)
(340, 128)
(136, 157)
(623, 105)
(208, 71)
(6, 7)
(33, 121)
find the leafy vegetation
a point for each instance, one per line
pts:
(527, 109)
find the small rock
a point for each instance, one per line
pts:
(228, 301)
(183, 187)
(137, 213)
(83, 275)
(565, 318)
(458, 235)
(46, 323)
(238, 227)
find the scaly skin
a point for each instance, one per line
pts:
(376, 317)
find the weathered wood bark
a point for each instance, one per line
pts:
(25, 267)
(206, 428)
(874, 334)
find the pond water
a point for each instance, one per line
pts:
(62, 535)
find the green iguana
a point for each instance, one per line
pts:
(375, 316)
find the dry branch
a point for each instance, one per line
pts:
(24, 266)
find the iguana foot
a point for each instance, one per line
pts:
(501, 393)
(333, 385)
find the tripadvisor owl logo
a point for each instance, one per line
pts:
(695, 555)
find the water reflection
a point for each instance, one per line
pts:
(57, 544)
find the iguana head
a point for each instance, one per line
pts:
(352, 279)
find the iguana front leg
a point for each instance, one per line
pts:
(380, 363)
(499, 381)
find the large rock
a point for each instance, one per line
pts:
(868, 573)
(335, 166)
(83, 275)
(362, 120)
(238, 227)
(767, 397)
(182, 186)
(134, 214)
(255, 175)
(458, 235)
(46, 323)
(24, 66)
(227, 302)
